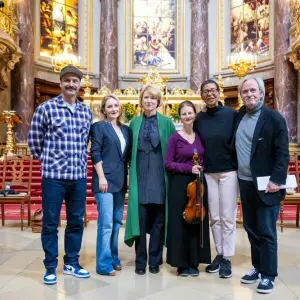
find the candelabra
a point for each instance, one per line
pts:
(62, 60)
(10, 118)
(241, 63)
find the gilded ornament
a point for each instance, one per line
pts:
(177, 91)
(130, 91)
(117, 92)
(295, 18)
(153, 77)
(104, 91)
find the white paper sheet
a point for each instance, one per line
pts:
(262, 182)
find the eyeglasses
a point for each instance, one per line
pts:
(206, 92)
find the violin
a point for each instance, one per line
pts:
(195, 210)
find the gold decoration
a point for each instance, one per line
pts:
(117, 92)
(65, 59)
(295, 59)
(10, 118)
(131, 96)
(7, 18)
(130, 91)
(295, 18)
(177, 91)
(190, 92)
(293, 53)
(10, 54)
(104, 91)
(153, 77)
(241, 63)
(221, 85)
(86, 84)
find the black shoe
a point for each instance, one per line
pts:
(225, 269)
(266, 285)
(140, 271)
(215, 265)
(154, 269)
(194, 272)
(184, 272)
(251, 277)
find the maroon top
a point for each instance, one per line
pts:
(179, 154)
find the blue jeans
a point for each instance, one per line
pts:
(54, 191)
(110, 212)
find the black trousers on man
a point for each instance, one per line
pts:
(152, 221)
(260, 224)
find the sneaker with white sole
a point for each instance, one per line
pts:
(215, 265)
(251, 277)
(76, 270)
(265, 286)
(50, 276)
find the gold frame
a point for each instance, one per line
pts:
(180, 38)
(222, 53)
(87, 38)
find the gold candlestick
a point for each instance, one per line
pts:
(10, 118)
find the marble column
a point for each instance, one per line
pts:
(22, 79)
(109, 44)
(199, 43)
(285, 78)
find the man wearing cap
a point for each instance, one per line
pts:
(58, 137)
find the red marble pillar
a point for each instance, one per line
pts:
(199, 43)
(109, 44)
(285, 81)
(22, 78)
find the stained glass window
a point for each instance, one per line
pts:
(250, 22)
(154, 34)
(59, 27)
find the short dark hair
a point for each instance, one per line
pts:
(186, 103)
(208, 81)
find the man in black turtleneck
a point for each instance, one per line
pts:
(215, 127)
(261, 142)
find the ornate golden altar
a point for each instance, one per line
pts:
(171, 99)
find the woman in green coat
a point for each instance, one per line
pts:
(148, 182)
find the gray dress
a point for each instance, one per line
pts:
(150, 168)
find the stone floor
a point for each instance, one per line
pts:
(21, 272)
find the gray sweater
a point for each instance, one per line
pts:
(243, 141)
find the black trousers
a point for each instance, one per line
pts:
(152, 221)
(260, 224)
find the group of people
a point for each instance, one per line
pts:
(233, 149)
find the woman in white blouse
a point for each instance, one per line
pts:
(111, 144)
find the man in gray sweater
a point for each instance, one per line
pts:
(261, 143)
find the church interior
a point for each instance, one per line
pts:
(120, 46)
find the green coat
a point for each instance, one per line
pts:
(166, 128)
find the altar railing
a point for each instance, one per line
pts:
(171, 99)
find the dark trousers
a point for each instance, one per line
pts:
(54, 191)
(260, 223)
(151, 220)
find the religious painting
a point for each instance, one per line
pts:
(250, 20)
(154, 34)
(59, 27)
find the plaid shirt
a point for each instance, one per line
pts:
(59, 138)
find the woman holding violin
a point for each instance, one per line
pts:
(187, 242)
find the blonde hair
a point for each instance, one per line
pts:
(120, 119)
(154, 92)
